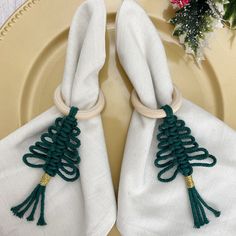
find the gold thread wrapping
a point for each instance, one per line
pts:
(45, 179)
(189, 181)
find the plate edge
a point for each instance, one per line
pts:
(15, 16)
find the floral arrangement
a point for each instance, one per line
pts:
(196, 20)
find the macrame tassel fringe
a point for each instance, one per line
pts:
(33, 200)
(198, 204)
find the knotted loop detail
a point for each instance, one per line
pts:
(58, 153)
(81, 114)
(177, 149)
(58, 148)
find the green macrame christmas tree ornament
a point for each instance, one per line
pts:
(179, 153)
(230, 13)
(57, 154)
(195, 22)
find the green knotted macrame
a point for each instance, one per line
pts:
(57, 154)
(179, 153)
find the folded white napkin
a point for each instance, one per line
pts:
(147, 206)
(86, 206)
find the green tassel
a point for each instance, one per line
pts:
(33, 200)
(198, 204)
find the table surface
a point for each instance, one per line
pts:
(7, 7)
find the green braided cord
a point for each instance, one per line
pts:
(179, 153)
(58, 149)
(176, 148)
(58, 153)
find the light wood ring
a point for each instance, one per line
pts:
(81, 114)
(156, 113)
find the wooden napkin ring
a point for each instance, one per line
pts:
(81, 114)
(156, 113)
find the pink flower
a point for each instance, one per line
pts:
(180, 3)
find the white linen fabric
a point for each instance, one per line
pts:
(86, 206)
(147, 206)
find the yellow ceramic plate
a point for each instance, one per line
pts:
(32, 52)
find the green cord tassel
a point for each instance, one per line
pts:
(178, 150)
(33, 200)
(57, 149)
(198, 204)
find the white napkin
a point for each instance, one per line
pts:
(86, 206)
(147, 206)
